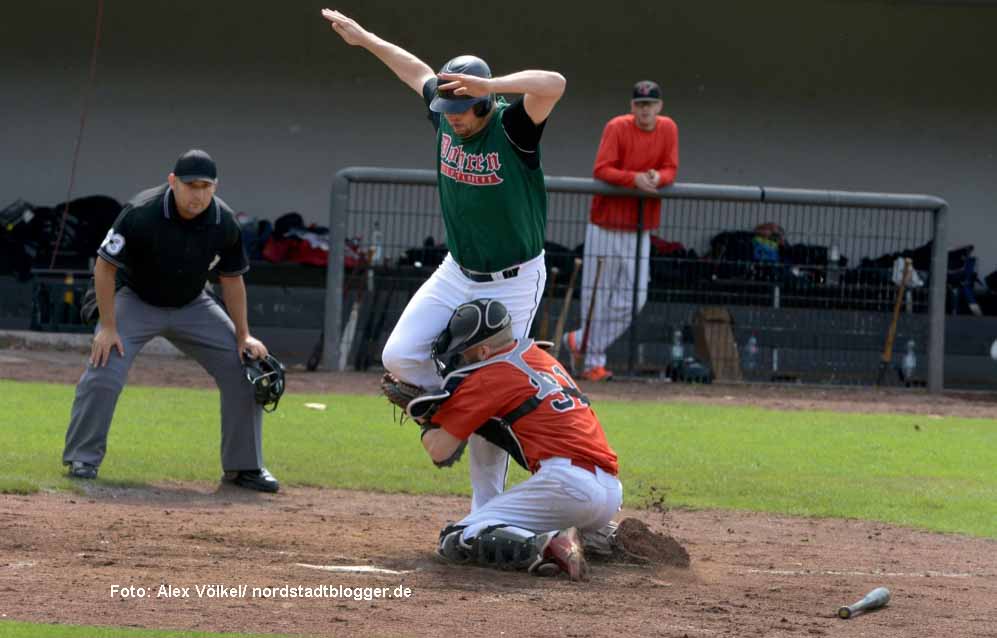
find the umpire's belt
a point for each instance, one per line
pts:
(482, 277)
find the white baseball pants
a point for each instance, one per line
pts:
(407, 352)
(558, 496)
(613, 307)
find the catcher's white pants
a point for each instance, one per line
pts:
(558, 496)
(613, 307)
(407, 351)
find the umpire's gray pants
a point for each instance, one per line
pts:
(203, 331)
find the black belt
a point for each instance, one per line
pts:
(482, 277)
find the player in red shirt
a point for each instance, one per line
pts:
(639, 151)
(516, 396)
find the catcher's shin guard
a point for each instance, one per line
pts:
(507, 547)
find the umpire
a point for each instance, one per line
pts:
(149, 279)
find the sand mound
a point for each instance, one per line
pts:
(637, 543)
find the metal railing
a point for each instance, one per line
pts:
(816, 319)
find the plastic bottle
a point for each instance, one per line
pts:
(678, 349)
(909, 363)
(677, 356)
(833, 263)
(750, 362)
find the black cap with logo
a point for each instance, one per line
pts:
(646, 91)
(196, 166)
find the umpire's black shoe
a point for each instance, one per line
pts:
(260, 480)
(81, 470)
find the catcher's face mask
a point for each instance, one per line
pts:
(267, 377)
(482, 321)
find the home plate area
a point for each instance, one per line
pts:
(346, 563)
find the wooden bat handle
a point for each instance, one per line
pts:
(545, 320)
(892, 333)
(588, 319)
(559, 330)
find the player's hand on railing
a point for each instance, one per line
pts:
(644, 182)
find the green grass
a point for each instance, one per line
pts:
(938, 474)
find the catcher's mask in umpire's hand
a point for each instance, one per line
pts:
(267, 377)
(482, 321)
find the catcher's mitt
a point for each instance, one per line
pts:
(399, 392)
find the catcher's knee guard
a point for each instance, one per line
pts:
(452, 547)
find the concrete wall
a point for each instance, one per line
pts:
(854, 95)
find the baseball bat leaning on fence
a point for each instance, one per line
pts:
(891, 334)
(561, 318)
(545, 320)
(364, 282)
(588, 318)
(875, 599)
(354, 281)
(366, 355)
(368, 329)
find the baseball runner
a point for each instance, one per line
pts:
(149, 279)
(515, 395)
(494, 204)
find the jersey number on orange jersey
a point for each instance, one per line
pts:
(564, 402)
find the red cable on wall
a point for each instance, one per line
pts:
(79, 138)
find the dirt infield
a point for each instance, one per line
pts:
(66, 558)
(751, 574)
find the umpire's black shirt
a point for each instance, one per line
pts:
(165, 258)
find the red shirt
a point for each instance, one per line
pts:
(625, 151)
(561, 425)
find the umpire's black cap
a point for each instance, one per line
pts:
(446, 101)
(196, 166)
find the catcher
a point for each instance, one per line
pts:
(519, 398)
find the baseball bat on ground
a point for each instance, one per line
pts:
(887, 358)
(561, 318)
(545, 320)
(588, 319)
(875, 599)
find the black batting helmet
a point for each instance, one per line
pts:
(447, 102)
(478, 322)
(267, 377)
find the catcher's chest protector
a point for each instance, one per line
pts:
(498, 429)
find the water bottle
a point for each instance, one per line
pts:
(376, 244)
(909, 363)
(750, 363)
(833, 262)
(678, 350)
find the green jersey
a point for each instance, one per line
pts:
(494, 205)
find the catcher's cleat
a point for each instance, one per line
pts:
(260, 480)
(598, 373)
(565, 550)
(547, 569)
(81, 470)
